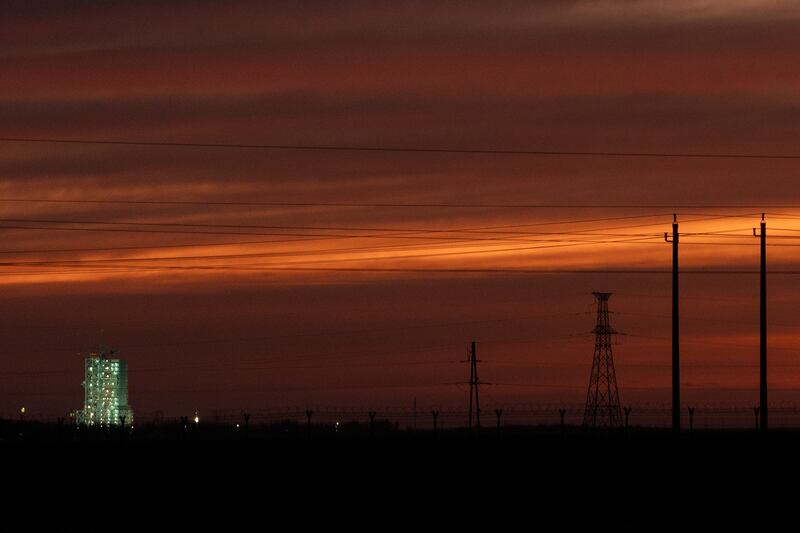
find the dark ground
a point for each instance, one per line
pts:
(404, 482)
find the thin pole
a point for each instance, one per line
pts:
(471, 384)
(676, 351)
(475, 377)
(763, 359)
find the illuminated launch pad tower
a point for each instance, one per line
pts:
(105, 391)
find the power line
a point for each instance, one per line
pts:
(702, 318)
(560, 244)
(396, 149)
(618, 271)
(453, 240)
(398, 232)
(408, 205)
(409, 234)
(241, 367)
(586, 234)
(487, 229)
(294, 253)
(716, 343)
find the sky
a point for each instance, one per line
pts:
(373, 302)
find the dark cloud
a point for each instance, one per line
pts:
(600, 76)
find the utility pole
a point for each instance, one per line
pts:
(763, 407)
(473, 389)
(676, 350)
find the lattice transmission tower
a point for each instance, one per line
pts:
(602, 399)
(473, 389)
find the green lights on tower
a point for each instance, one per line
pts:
(105, 391)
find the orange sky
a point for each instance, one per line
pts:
(716, 77)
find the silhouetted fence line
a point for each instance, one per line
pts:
(449, 418)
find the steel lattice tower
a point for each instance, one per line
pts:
(602, 399)
(473, 389)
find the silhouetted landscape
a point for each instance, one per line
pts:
(403, 481)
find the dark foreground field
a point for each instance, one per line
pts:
(642, 482)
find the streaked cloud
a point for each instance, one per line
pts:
(642, 76)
